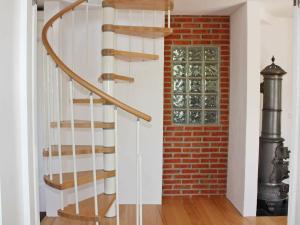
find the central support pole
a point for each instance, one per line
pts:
(108, 110)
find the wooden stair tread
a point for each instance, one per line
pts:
(159, 5)
(83, 124)
(115, 77)
(83, 177)
(87, 209)
(87, 101)
(148, 32)
(80, 150)
(129, 56)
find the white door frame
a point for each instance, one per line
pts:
(294, 200)
(33, 213)
(28, 125)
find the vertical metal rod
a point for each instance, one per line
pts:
(59, 134)
(49, 116)
(117, 166)
(143, 21)
(72, 39)
(93, 152)
(154, 25)
(140, 180)
(87, 38)
(73, 145)
(130, 42)
(169, 18)
(94, 157)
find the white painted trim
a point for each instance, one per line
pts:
(28, 108)
(0, 204)
(293, 217)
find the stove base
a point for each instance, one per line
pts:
(278, 208)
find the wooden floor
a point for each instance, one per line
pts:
(183, 211)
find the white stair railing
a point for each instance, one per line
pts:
(58, 117)
(117, 167)
(94, 157)
(73, 145)
(48, 71)
(139, 201)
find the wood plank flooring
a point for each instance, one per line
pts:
(183, 211)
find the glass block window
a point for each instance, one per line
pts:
(195, 80)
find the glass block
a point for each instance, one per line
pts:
(195, 70)
(211, 101)
(195, 53)
(211, 86)
(179, 101)
(179, 116)
(179, 54)
(179, 70)
(195, 117)
(211, 54)
(211, 70)
(179, 86)
(195, 101)
(195, 86)
(211, 117)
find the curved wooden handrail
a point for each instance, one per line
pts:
(93, 89)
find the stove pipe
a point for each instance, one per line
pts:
(273, 164)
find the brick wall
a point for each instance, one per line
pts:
(195, 157)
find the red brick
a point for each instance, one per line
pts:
(195, 157)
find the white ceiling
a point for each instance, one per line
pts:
(281, 8)
(226, 7)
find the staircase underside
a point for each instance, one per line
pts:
(66, 150)
(87, 101)
(117, 78)
(129, 56)
(158, 5)
(83, 124)
(147, 32)
(83, 177)
(87, 209)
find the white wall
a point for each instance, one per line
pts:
(256, 36)
(17, 157)
(237, 118)
(145, 94)
(277, 40)
(244, 109)
(294, 201)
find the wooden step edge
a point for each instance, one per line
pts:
(108, 201)
(115, 77)
(147, 32)
(87, 101)
(83, 124)
(83, 177)
(80, 150)
(129, 56)
(160, 5)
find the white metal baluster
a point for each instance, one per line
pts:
(154, 25)
(73, 145)
(130, 43)
(72, 39)
(49, 115)
(94, 157)
(169, 18)
(139, 176)
(117, 166)
(143, 24)
(58, 117)
(45, 112)
(87, 38)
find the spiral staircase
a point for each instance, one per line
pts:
(101, 208)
